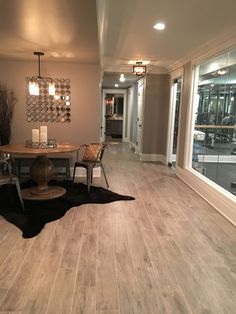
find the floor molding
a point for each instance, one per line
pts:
(222, 200)
(153, 157)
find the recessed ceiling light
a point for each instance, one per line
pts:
(159, 26)
(116, 85)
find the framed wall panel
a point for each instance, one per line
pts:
(48, 108)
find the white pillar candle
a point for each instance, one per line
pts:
(35, 135)
(43, 137)
(43, 129)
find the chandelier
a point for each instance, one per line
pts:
(139, 69)
(35, 80)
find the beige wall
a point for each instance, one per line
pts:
(85, 100)
(156, 110)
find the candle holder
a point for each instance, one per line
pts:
(51, 143)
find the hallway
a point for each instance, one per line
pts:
(168, 251)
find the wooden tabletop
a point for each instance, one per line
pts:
(22, 150)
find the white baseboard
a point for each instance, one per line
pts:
(81, 172)
(222, 200)
(153, 157)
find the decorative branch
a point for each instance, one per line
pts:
(7, 106)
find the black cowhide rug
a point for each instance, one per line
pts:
(37, 213)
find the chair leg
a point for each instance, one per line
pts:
(74, 173)
(19, 192)
(104, 175)
(68, 168)
(91, 175)
(88, 178)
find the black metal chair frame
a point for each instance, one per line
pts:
(7, 177)
(89, 165)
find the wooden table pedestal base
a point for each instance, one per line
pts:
(41, 172)
(33, 193)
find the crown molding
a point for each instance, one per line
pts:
(209, 49)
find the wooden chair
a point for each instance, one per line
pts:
(6, 176)
(91, 158)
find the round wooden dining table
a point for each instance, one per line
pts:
(41, 170)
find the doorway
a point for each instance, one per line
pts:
(113, 116)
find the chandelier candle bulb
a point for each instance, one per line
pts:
(52, 90)
(35, 135)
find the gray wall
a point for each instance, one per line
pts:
(133, 114)
(85, 100)
(156, 110)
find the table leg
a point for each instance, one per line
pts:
(41, 172)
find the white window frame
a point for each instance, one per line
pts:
(171, 121)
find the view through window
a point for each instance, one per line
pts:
(214, 142)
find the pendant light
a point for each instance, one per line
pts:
(35, 80)
(139, 69)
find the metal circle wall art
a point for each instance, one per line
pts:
(47, 108)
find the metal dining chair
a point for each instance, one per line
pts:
(6, 176)
(91, 157)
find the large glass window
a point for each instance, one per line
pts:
(214, 142)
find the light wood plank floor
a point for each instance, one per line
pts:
(166, 252)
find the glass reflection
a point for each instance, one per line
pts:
(214, 139)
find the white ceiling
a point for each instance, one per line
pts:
(67, 30)
(128, 32)
(110, 79)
